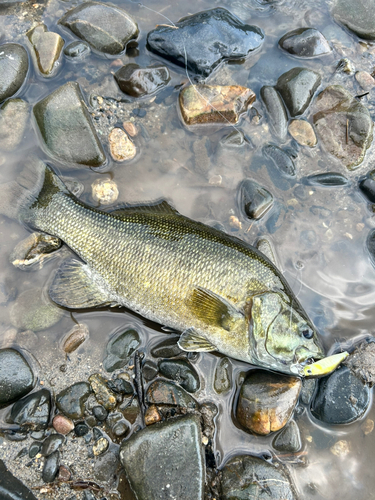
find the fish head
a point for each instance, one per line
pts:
(281, 333)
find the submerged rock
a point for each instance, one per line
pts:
(73, 339)
(233, 140)
(34, 250)
(276, 112)
(254, 200)
(303, 132)
(329, 179)
(370, 244)
(14, 64)
(105, 191)
(66, 127)
(71, 400)
(16, 376)
(297, 87)
(289, 439)
(167, 348)
(204, 40)
(14, 115)
(343, 125)
(223, 376)
(181, 372)
(120, 348)
(11, 488)
(305, 42)
(359, 17)
(282, 161)
(107, 29)
(47, 48)
(361, 362)
(365, 80)
(245, 477)
(122, 148)
(214, 104)
(266, 401)
(32, 412)
(137, 82)
(77, 50)
(166, 459)
(367, 186)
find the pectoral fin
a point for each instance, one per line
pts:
(76, 286)
(191, 340)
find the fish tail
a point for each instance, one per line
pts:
(32, 190)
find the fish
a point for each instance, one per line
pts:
(221, 293)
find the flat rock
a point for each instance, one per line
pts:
(358, 17)
(14, 64)
(166, 459)
(120, 348)
(181, 372)
(66, 127)
(105, 28)
(297, 87)
(303, 132)
(204, 40)
(365, 80)
(137, 82)
(32, 411)
(11, 488)
(266, 401)
(276, 112)
(246, 477)
(167, 348)
(343, 125)
(305, 42)
(161, 392)
(214, 104)
(254, 199)
(14, 115)
(47, 47)
(16, 376)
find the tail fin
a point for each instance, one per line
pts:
(33, 187)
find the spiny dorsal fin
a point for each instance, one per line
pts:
(160, 208)
(212, 309)
(76, 286)
(193, 341)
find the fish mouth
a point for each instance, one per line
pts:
(306, 355)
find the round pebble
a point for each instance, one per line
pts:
(104, 191)
(100, 446)
(100, 413)
(302, 132)
(81, 429)
(120, 145)
(365, 80)
(62, 425)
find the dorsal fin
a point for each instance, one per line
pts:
(160, 207)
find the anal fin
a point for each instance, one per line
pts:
(191, 340)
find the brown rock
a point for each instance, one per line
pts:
(104, 395)
(77, 335)
(120, 145)
(130, 128)
(266, 401)
(152, 415)
(366, 81)
(302, 132)
(62, 425)
(47, 48)
(201, 104)
(64, 474)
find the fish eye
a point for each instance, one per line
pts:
(307, 333)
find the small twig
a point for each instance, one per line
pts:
(138, 382)
(347, 131)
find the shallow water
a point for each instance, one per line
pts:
(319, 233)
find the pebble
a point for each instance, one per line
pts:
(289, 439)
(330, 179)
(103, 394)
(64, 474)
(51, 467)
(120, 145)
(104, 191)
(181, 372)
(152, 415)
(35, 449)
(120, 348)
(303, 132)
(52, 444)
(161, 392)
(71, 400)
(254, 200)
(32, 412)
(120, 428)
(305, 42)
(341, 448)
(368, 426)
(100, 413)
(77, 335)
(276, 112)
(81, 429)
(149, 370)
(16, 376)
(281, 160)
(365, 80)
(367, 186)
(223, 376)
(345, 65)
(167, 348)
(14, 65)
(233, 140)
(100, 446)
(137, 82)
(77, 50)
(47, 47)
(62, 425)
(130, 128)
(297, 88)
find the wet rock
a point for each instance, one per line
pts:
(152, 415)
(245, 477)
(370, 244)
(276, 112)
(282, 161)
(308, 389)
(233, 140)
(302, 132)
(340, 448)
(149, 370)
(161, 392)
(104, 191)
(14, 115)
(105, 28)
(52, 444)
(137, 82)
(305, 42)
(121, 386)
(71, 400)
(154, 463)
(266, 401)
(81, 429)
(77, 50)
(35, 449)
(32, 412)
(204, 40)
(47, 48)
(103, 394)
(329, 179)
(289, 439)
(119, 349)
(14, 64)
(297, 87)
(77, 335)
(16, 376)
(365, 80)
(367, 186)
(121, 146)
(62, 425)
(167, 348)
(100, 413)
(130, 409)
(33, 251)
(223, 376)
(254, 200)
(51, 467)
(33, 311)
(214, 104)
(343, 125)
(100, 446)
(181, 372)
(11, 488)
(361, 362)
(341, 398)
(359, 17)
(66, 127)
(64, 474)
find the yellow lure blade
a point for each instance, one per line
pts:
(324, 366)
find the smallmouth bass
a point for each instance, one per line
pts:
(220, 292)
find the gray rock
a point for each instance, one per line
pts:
(305, 42)
(223, 376)
(107, 29)
(205, 39)
(297, 87)
(52, 444)
(14, 115)
(66, 127)
(361, 362)
(181, 372)
(233, 140)
(149, 370)
(167, 348)
(245, 477)
(16, 376)
(51, 467)
(161, 392)
(343, 124)
(359, 17)
(77, 50)
(276, 112)
(330, 179)
(71, 400)
(308, 389)
(282, 161)
(137, 82)
(370, 245)
(166, 459)
(119, 349)
(32, 412)
(254, 200)
(289, 439)
(11, 488)
(14, 64)
(47, 47)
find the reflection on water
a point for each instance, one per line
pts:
(319, 233)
